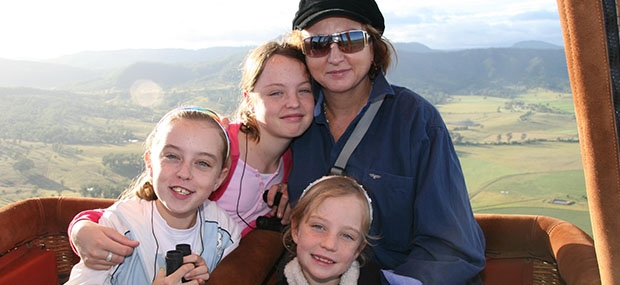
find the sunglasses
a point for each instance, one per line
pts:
(348, 42)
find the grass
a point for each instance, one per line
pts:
(522, 175)
(523, 179)
(75, 166)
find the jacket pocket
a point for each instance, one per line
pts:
(392, 199)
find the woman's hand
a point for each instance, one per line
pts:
(94, 244)
(194, 270)
(283, 209)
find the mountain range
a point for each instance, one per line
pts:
(433, 73)
(95, 98)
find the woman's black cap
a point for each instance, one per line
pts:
(365, 11)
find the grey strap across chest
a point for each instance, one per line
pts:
(356, 137)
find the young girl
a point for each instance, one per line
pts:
(186, 160)
(328, 231)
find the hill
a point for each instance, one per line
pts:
(536, 45)
(434, 74)
(497, 72)
(116, 59)
(65, 101)
(14, 73)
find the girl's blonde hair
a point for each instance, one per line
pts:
(253, 66)
(328, 187)
(142, 186)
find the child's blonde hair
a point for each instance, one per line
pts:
(142, 187)
(317, 192)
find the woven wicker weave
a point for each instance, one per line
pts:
(65, 258)
(545, 273)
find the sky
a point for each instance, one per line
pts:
(45, 29)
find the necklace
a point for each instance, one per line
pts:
(325, 110)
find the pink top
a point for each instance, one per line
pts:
(245, 204)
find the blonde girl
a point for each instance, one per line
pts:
(328, 231)
(186, 158)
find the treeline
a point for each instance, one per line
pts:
(128, 165)
(52, 133)
(125, 164)
(63, 117)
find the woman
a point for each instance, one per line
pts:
(406, 160)
(276, 107)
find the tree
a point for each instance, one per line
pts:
(23, 165)
(457, 138)
(125, 164)
(101, 190)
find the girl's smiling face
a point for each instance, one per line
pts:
(282, 98)
(185, 163)
(330, 238)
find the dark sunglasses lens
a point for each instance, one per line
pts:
(317, 46)
(351, 42)
(348, 42)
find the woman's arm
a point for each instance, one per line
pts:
(252, 261)
(88, 215)
(93, 242)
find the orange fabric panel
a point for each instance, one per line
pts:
(585, 44)
(508, 271)
(28, 266)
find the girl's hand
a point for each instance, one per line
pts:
(174, 278)
(194, 270)
(200, 271)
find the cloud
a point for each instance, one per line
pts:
(475, 24)
(537, 16)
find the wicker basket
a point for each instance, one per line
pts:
(553, 251)
(65, 258)
(42, 223)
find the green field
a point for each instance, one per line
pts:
(518, 155)
(518, 158)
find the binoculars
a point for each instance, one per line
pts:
(174, 258)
